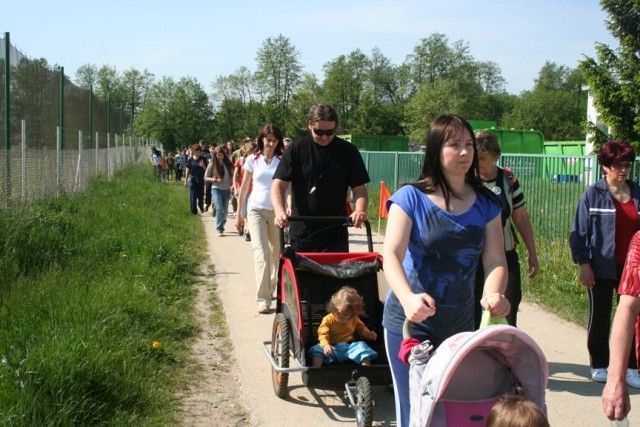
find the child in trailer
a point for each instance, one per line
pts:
(338, 330)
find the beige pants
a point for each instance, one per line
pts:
(265, 242)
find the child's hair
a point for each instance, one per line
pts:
(516, 411)
(346, 302)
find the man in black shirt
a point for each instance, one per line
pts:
(320, 169)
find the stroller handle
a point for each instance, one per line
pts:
(487, 320)
(406, 329)
(342, 220)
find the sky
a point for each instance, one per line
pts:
(206, 39)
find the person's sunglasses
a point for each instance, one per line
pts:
(321, 132)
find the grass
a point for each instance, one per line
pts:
(87, 285)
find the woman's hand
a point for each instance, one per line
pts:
(586, 276)
(239, 222)
(497, 304)
(419, 307)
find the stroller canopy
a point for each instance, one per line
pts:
(483, 366)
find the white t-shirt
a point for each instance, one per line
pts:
(262, 176)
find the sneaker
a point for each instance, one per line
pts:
(633, 378)
(240, 233)
(247, 237)
(599, 375)
(263, 309)
(220, 233)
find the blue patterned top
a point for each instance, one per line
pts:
(441, 260)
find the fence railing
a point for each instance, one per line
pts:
(552, 184)
(29, 173)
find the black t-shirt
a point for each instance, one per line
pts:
(320, 178)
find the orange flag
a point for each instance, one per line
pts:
(384, 196)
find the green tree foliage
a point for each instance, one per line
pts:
(555, 106)
(238, 113)
(447, 79)
(614, 75)
(175, 114)
(278, 73)
(344, 83)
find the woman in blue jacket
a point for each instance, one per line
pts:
(605, 220)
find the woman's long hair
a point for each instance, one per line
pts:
(275, 131)
(216, 169)
(432, 176)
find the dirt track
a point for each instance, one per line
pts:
(572, 398)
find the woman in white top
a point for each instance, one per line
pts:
(265, 238)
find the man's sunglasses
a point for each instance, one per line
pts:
(321, 132)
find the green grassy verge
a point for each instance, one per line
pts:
(96, 303)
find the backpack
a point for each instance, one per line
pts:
(163, 163)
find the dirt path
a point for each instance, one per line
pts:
(211, 395)
(231, 386)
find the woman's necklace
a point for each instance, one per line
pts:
(617, 192)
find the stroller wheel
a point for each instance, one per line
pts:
(364, 402)
(280, 339)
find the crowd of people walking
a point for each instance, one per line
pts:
(450, 245)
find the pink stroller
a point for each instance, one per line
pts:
(459, 383)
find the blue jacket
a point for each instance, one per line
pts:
(593, 233)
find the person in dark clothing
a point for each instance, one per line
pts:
(195, 180)
(606, 218)
(320, 168)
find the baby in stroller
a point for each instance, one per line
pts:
(337, 332)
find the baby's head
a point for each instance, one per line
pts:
(345, 304)
(516, 411)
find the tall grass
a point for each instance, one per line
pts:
(88, 285)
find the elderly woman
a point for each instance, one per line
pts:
(605, 221)
(503, 184)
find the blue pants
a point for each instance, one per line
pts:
(196, 193)
(356, 351)
(221, 200)
(400, 374)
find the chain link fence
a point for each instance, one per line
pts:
(55, 135)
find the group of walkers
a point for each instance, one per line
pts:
(450, 244)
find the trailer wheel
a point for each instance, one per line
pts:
(364, 402)
(280, 339)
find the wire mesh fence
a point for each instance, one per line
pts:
(552, 184)
(30, 173)
(55, 135)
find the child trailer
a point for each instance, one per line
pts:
(306, 281)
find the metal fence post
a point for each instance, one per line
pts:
(23, 161)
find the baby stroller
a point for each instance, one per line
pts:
(470, 372)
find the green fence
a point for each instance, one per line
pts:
(552, 184)
(55, 135)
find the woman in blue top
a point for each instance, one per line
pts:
(438, 230)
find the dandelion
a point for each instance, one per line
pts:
(155, 344)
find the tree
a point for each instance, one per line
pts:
(175, 114)
(279, 71)
(134, 88)
(237, 113)
(344, 83)
(555, 106)
(613, 77)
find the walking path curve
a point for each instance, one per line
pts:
(572, 398)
